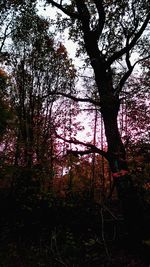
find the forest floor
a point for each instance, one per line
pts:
(82, 235)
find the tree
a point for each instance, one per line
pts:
(110, 32)
(5, 114)
(37, 66)
(135, 111)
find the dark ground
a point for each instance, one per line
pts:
(67, 234)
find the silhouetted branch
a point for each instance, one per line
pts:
(101, 19)
(93, 148)
(128, 73)
(128, 48)
(77, 99)
(5, 36)
(66, 11)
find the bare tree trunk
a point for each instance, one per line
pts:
(121, 177)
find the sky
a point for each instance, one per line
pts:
(71, 47)
(50, 13)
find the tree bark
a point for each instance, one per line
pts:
(122, 180)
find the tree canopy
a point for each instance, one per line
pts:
(66, 198)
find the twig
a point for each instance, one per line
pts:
(56, 256)
(110, 212)
(103, 233)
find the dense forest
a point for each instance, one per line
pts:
(74, 133)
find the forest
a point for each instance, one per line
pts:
(74, 133)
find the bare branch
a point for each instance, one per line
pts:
(128, 55)
(123, 80)
(79, 152)
(128, 48)
(128, 73)
(66, 11)
(141, 59)
(5, 36)
(93, 148)
(77, 99)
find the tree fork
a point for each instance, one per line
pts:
(109, 98)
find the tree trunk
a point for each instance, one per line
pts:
(101, 64)
(109, 108)
(127, 194)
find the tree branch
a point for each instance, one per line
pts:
(5, 36)
(79, 152)
(77, 99)
(84, 15)
(101, 21)
(141, 59)
(128, 47)
(66, 11)
(128, 55)
(123, 80)
(93, 148)
(128, 73)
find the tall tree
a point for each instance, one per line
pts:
(5, 113)
(110, 32)
(37, 66)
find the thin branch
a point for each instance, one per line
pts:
(123, 80)
(127, 74)
(77, 99)
(66, 11)
(86, 77)
(55, 252)
(141, 59)
(103, 233)
(110, 212)
(79, 152)
(88, 151)
(5, 36)
(93, 148)
(128, 48)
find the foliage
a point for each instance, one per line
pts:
(37, 66)
(53, 204)
(5, 110)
